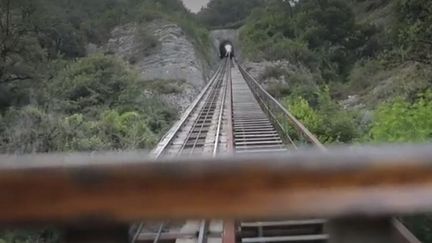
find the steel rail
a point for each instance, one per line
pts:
(176, 128)
(208, 104)
(212, 90)
(221, 112)
(229, 226)
(296, 123)
(159, 233)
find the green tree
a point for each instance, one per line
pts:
(223, 12)
(89, 82)
(414, 28)
(322, 35)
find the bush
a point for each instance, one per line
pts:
(401, 121)
(301, 110)
(272, 72)
(328, 121)
(413, 30)
(92, 81)
(26, 236)
(279, 90)
(364, 75)
(164, 86)
(29, 129)
(292, 50)
(95, 103)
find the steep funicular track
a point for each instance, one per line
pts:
(234, 114)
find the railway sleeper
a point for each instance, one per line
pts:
(257, 136)
(193, 145)
(322, 238)
(261, 151)
(258, 147)
(249, 130)
(253, 127)
(247, 143)
(252, 139)
(253, 122)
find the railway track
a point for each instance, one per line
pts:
(200, 131)
(229, 116)
(234, 115)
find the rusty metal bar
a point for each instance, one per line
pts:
(229, 234)
(337, 183)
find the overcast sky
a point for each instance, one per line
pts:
(195, 5)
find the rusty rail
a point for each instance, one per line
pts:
(337, 183)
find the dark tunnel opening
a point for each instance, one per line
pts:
(223, 50)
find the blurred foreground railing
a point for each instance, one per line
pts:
(369, 183)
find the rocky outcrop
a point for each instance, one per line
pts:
(160, 50)
(282, 72)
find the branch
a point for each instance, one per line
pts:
(424, 41)
(13, 79)
(7, 17)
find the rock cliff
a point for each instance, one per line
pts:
(160, 50)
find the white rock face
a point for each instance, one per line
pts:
(174, 57)
(260, 70)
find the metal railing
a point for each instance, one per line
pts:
(279, 114)
(94, 190)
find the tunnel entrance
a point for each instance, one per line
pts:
(223, 50)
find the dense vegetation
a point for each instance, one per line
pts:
(321, 35)
(347, 52)
(54, 98)
(227, 13)
(379, 51)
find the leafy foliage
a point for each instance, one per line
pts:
(219, 13)
(414, 28)
(327, 120)
(91, 104)
(93, 81)
(400, 121)
(321, 35)
(22, 236)
(34, 34)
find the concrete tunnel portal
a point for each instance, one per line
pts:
(223, 49)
